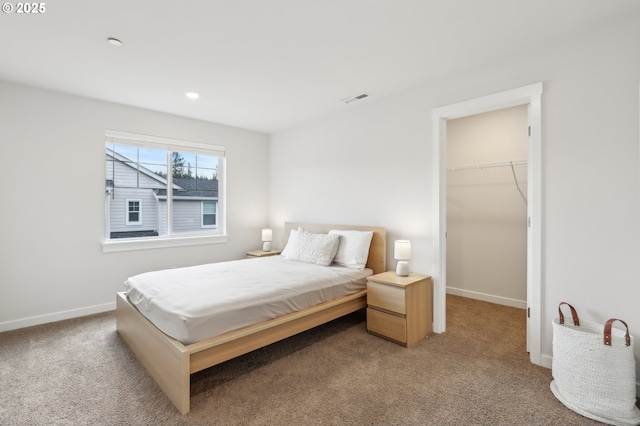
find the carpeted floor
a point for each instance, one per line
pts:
(477, 373)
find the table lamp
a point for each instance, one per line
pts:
(267, 236)
(402, 253)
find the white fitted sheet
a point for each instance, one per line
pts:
(199, 302)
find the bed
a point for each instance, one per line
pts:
(171, 362)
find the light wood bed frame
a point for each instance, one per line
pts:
(171, 363)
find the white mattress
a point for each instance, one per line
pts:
(199, 302)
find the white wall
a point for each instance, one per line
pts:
(52, 217)
(486, 214)
(371, 164)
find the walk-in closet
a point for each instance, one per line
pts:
(487, 206)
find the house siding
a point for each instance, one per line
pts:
(129, 184)
(186, 216)
(149, 209)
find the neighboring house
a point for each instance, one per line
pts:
(137, 201)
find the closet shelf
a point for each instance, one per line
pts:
(487, 165)
(509, 164)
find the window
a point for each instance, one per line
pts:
(209, 214)
(133, 212)
(178, 185)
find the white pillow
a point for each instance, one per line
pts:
(314, 248)
(353, 250)
(292, 244)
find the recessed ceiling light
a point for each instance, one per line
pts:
(114, 41)
(192, 95)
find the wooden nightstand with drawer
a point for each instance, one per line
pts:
(399, 308)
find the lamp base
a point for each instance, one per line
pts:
(266, 246)
(402, 269)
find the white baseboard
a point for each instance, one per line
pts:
(56, 316)
(488, 298)
(546, 361)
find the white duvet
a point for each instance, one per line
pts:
(199, 302)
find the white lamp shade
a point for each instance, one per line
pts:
(402, 250)
(267, 236)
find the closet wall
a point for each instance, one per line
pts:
(486, 210)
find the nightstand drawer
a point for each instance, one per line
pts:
(386, 297)
(387, 325)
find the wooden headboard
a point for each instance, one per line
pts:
(377, 260)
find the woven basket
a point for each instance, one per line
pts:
(594, 369)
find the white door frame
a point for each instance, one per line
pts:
(527, 95)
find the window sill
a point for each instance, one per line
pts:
(154, 243)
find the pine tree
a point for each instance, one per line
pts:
(178, 165)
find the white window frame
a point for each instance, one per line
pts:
(209, 234)
(202, 225)
(127, 209)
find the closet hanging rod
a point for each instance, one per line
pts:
(487, 165)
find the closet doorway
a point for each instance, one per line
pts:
(530, 98)
(487, 206)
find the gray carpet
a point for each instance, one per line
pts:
(477, 373)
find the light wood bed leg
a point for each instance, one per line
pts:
(165, 360)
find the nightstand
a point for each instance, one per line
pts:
(262, 253)
(399, 308)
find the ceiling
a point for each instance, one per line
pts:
(268, 65)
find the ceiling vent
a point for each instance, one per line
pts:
(355, 98)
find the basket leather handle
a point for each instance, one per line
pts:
(574, 314)
(607, 332)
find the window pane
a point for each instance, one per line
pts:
(207, 174)
(209, 220)
(208, 213)
(183, 164)
(153, 156)
(189, 158)
(207, 161)
(128, 152)
(209, 207)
